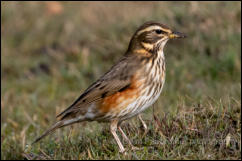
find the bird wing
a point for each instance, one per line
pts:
(116, 79)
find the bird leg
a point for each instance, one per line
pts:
(144, 125)
(127, 139)
(113, 128)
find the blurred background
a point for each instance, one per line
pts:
(52, 51)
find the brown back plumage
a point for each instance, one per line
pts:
(117, 78)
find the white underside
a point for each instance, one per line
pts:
(146, 99)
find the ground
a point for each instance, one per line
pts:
(52, 51)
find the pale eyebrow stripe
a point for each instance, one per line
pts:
(148, 29)
(153, 28)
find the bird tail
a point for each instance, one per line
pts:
(57, 125)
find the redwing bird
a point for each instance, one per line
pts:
(131, 85)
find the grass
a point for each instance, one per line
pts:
(51, 52)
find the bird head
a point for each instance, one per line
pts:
(153, 36)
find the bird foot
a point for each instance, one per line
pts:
(145, 133)
(122, 151)
(135, 148)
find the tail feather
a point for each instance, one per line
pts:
(57, 125)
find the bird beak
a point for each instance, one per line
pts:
(174, 35)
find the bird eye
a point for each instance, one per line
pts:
(159, 31)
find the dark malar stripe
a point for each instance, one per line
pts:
(152, 64)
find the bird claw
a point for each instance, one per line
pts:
(144, 134)
(122, 151)
(135, 148)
